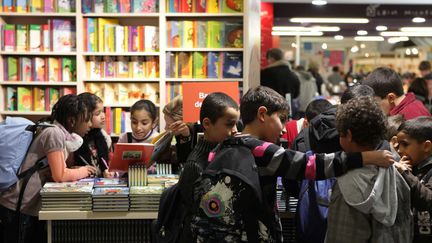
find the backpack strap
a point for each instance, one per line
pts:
(129, 137)
(426, 177)
(307, 139)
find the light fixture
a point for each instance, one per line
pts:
(330, 20)
(381, 28)
(369, 38)
(418, 20)
(354, 49)
(393, 40)
(362, 46)
(408, 52)
(293, 45)
(414, 51)
(338, 37)
(366, 54)
(362, 32)
(319, 2)
(324, 46)
(413, 34)
(297, 33)
(416, 29)
(301, 28)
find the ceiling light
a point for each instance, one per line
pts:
(414, 51)
(418, 20)
(324, 46)
(362, 32)
(362, 46)
(354, 49)
(366, 54)
(400, 33)
(338, 37)
(301, 28)
(416, 29)
(330, 20)
(297, 33)
(408, 52)
(369, 38)
(293, 45)
(393, 40)
(319, 2)
(381, 28)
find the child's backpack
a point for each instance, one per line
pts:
(16, 135)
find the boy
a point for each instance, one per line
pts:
(243, 210)
(368, 204)
(388, 89)
(415, 147)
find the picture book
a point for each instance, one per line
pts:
(122, 67)
(67, 90)
(22, 6)
(26, 69)
(130, 153)
(213, 6)
(109, 96)
(109, 67)
(67, 187)
(233, 35)
(46, 42)
(146, 190)
(21, 37)
(36, 5)
(124, 6)
(91, 35)
(101, 22)
(98, 6)
(87, 6)
(39, 69)
(63, 35)
(8, 6)
(65, 6)
(95, 67)
(122, 90)
(185, 6)
(48, 6)
(232, 65)
(11, 98)
(200, 6)
(170, 66)
(137, 65)
(172, 6)
(213, 65)
(54, 95)
(12, 69)
(119, 38)
(201, 34)
(110, 182)
(188, 34)
(117, 120)
(111, 192)
(145, 6)
(35, 37)
(38, 99)
(53, 69)
(214, 34)
(133, 38)
(151, 67)
(68, 69)
(24, 99)
(200, 65)
(9, 37)
(111, 6)
(174, 34)
(151, 38)
(185, 64)
(231, 6)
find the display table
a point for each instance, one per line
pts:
(89, 226)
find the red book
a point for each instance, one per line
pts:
(185, 6)
(130, 153)
(108, 120)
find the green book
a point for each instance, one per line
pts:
(11, 100)
(21, 37)
(24, 99)
(232, 6)
(68, 69)
(12, 69)
(214, 34)
(199, 65)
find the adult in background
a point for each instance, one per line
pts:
(335, 78)
(314, 70)
(425, 68)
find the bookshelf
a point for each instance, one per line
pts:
(249, 19)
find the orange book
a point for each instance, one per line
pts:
(130, 153)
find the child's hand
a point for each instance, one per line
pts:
(91, 170)
(382, 158)
(107, 174)
(180, 128)
(403, 165)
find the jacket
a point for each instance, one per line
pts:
(280, 78)
(410, 108)
(308, 89)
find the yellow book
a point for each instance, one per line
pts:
(101, 30)
(188, 34)
(213, 6)
(117, 120)
(39, 99)
(126, 39)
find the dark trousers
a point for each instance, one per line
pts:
(25, 230)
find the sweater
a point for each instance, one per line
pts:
(410, 108)
(279, 77)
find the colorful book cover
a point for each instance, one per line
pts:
(95, 67)
(91, 35)
(109, 67)
(39, 99)
(232, 65)
(101, 30)
(21, 37)
(172, 6)
(144, 6)
(98, 6)
(53, 69)
(111, 6)
(185, 64)
(231, 6)
(35, 38)
(122, 67)
(171, 70)
(151, 68)
(130, 153)
(39, 69)
(213, 65)
(137, 65)
(133, 38)
(87, 6)
(22, 6)
(107, 182)
(46, 38)
(108, 120)
(188, 34)
(68, 90)
(117, 120)
(185, 6)
(9, 37)
(109, 38)
(151, 38)
(233, 35)
(122, 90)
(124, 6)
(213, 6)
(8, 6)
(214, 34)
(54, 95)
(68, 69)
(199, 65)
(63, 35)
(201, 34)
(36, 5)
(109, 94)
(26, 69)
(48, 6)
(123, 121)
(65, 6)
(24, 99)
(11, 98)
(111, 192)
(12, 69)
(200, 6)
(119, 38)
(174, 34)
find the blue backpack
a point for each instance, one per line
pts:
(16, 135)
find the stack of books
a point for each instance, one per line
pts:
(145, 198)
(114, 182)
(111, 199)
(67, 196)
(162, 180)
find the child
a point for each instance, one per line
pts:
(369, 204)
(72, 122)
(415, 145)
(243, 210)
(97, 143)
(393, 124)
(143, 123)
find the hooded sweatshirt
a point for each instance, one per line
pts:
(280, 78)
(410, 108)
(370, 204)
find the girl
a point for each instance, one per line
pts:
(143, 123)
(71, 123)
(97, 143)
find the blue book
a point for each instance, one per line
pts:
(232, 65)
(86, 6)
(213, 65)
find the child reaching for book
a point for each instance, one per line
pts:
(71, 122)
(97, 143)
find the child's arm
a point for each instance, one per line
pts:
(59, 171)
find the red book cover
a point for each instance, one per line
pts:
(108, 120)
(185, 6)
(130, 153)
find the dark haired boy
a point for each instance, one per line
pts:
(388, 89)
(240, 207)
(370, 204)
(415, 146)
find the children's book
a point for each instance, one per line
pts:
(35, 37)
(36, 5)
(107, 182)
(213, 6)
(9, 37)
(185, 6)
(174, 34)
(145, 6)
(68, 69)
(53, 69)
(21, 37)
(185, 64)
(214, 34)
(199, 65)
(48, 6)
(213, 65)
(111, 192)
(11, 98)
(232, 65)
(39, 99)
(201, 34)
(188, 34)
(22, 6)
(26, 69)
(130, 153)
(12, 69)
(122, 90)
(39, 69)
(233, 35)
(63, 35)
(24, 99)
(87, 6)
(231, 6)
(200, 6)
(151, 38)
(98, 6)
(54, 95)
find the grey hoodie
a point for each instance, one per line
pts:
(308, 89)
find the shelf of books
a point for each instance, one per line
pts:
(122, 50)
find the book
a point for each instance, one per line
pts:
(98, 6)
(213, 6)
(151, 38)
(122, 67)
(36, 6)
(122, 90)
(8, 6)
(54, 95)
(130, 153)
(68, 69)
(62, 35)
(12, 69)
(201, 34)
(232, 65)
(213, 65)
(53, 69)
(101, 22)
(188, 34)
(87, 6)
(185, 6)
(233, 35)
(24, 99)
(214, 34)
(174, 34)
(107, 182)
(200, 6)
(46, 42)
(26, 69)
(35, 37)
(172, 6)
(185, 64)
(199, 65)
(144, 6)
(22, 6)
(21, 37)
(39, 99)
(39, 69)
(48, 6)
(111, 192)
(231, 6)
(11, 98)
(9, 37)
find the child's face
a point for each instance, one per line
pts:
(141, 123)
(224, 126)
(414, 150)
(273, 126)
(98, 119)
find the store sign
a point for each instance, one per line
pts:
(195, 92)
(398, 11)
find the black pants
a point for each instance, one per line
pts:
(25, 230)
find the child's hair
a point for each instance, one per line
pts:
(357, 91)
(174, 108)
(425, 66)
(418, 87)
(364, 118)
(383, 81)
(316, 107)
(214, 105)
(90, 100)
(261, 96)
(146, 105)
(419, 128)
(393, 124)
(70, 106)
